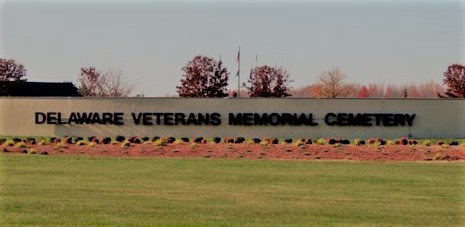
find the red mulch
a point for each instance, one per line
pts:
(257, 151)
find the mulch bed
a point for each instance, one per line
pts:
(254, 151)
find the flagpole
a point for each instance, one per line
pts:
(239, 72)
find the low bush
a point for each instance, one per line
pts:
(21, 145)
(32, 151)
(17, 140)
(160, 143)
(120, 138)
(106, 140)
(42, 142)
(332, 141)
(185, 139)
(239, 140)
(217, 140)
(320, 141)
(9, 143)
(134, 139)
(198, 139)
(274, 141)
(288, 140)
(308, 141)
(390, 142)
(427, 143)
(68, 140)
(228, 140)
(403, 141)
(31, 141)
(454, 143)
(81, 143)
(125, 144)
(359, 142)
(170, 139)
(145, 138)
(257, 140)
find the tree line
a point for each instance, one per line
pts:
(206, 77)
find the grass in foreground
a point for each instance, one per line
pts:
(83, 191)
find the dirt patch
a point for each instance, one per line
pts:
(253, 151)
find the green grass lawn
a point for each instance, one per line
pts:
(83, 191)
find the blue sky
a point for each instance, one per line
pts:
(391, 42)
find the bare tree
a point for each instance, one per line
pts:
(333, 85)
(454, 79)
(115, 86)
(11, 73)
(204, 77)
(109, 84)
(266, 81)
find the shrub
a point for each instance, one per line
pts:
(440, 156)
(403, 141)
(217, 139)
(106, 140)
(359, 142)
(178, 141)
(32, 151)
(17, 140)
(145, 138)
(81, 143)
(239, 139)
(274, 141)
(79, 138)
(308, 141)
(454, 143)
(377, 142)
(198, 139)
(228, 140)
(299, 143)
(9, 143)
(412, 142)
(427, 143)
(160, 143)
(125, 144)
(42, 142)
(68, 140)
(320, 141)
(289, 140)
(440, 143)
(185, 139)
(92, 144)
(390, 142)
(134, 139)
(95, 140)
(256, 140)
(54, 140)
(344, 141)
(120, 138)
(263, 143)
(2, 141)
(59, 146)
(31, 141)
(332, 141)
(91, 138)
(170, 139)
(155, 138)
(193, 145)
(21, 145)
